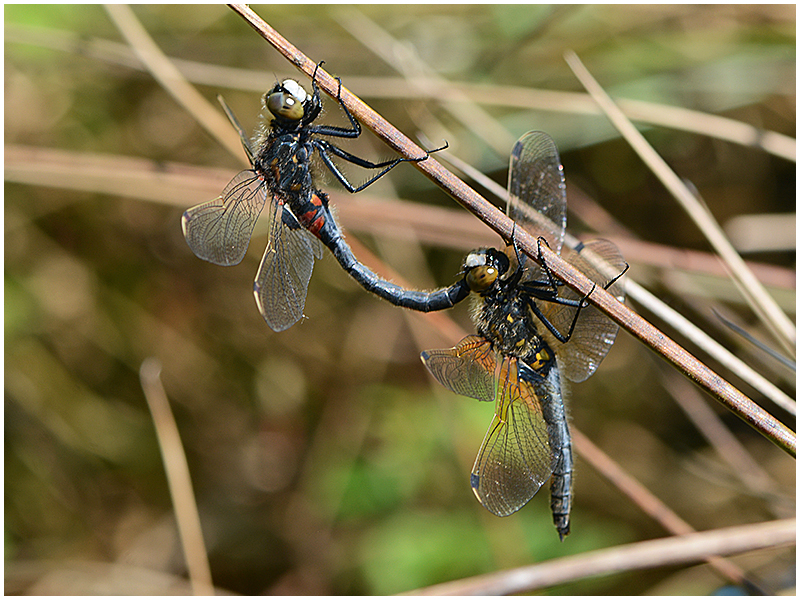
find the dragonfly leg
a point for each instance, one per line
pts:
(550, 277)
(325, 149)
(616, 277)
(578, 304)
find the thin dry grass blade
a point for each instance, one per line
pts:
(681, 549)
(727, 446)
(420, 77)
(761, 302)
(178, 478)
(171, 79)
(648, 502)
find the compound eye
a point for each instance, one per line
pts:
(482, 278)
(284, 105)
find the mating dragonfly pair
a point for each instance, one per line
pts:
(531, 329)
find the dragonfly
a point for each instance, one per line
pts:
(532, 332)
(300, 219)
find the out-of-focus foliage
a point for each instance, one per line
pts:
(324, 459)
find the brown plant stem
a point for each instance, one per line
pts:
(731, 397)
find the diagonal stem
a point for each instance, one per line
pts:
(727, 394)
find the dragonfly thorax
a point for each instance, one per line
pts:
(284, 163)
(503, 316)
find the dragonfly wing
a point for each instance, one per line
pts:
(219, 231)
(537, 192)
(516, 457)
(605, 252)
(594, 332)
(467, 369)
(282, 280)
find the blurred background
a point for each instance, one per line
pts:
(324, 459)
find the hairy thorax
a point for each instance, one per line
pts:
(285, 163)
(506, 319)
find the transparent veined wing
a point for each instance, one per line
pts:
(282, 279)
(467, 369)
(594, 332)
(537, 192)
(516, 457)
(219, 231)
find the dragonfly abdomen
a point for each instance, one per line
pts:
(553, 410)
(313, 213)
(440, 299)
(420, 301)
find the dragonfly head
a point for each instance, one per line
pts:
(287, 101)
(483, 267)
